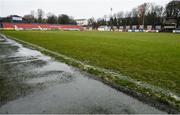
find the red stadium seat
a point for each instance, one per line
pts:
(44, 26)
(70, 27)
(8, 25)
(27, 26)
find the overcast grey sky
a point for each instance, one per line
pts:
(75, 8)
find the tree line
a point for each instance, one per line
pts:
(50, 19)
(144, 14)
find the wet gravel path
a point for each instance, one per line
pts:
(31, 82)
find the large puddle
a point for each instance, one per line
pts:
(34, 83)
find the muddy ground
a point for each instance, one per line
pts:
(31, 82)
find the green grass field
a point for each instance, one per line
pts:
(150, 57)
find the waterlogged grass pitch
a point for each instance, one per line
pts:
(150, 57)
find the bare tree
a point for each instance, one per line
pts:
(40, 14)
(52, 19)
(91, 21)
(120, 14)
(29, 18)
(143, 10)
(33, 13)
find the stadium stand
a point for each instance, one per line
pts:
(69, 27)
(22, 26)
(44, 26)
(25, 26)
(8, 26)
(54, 27)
